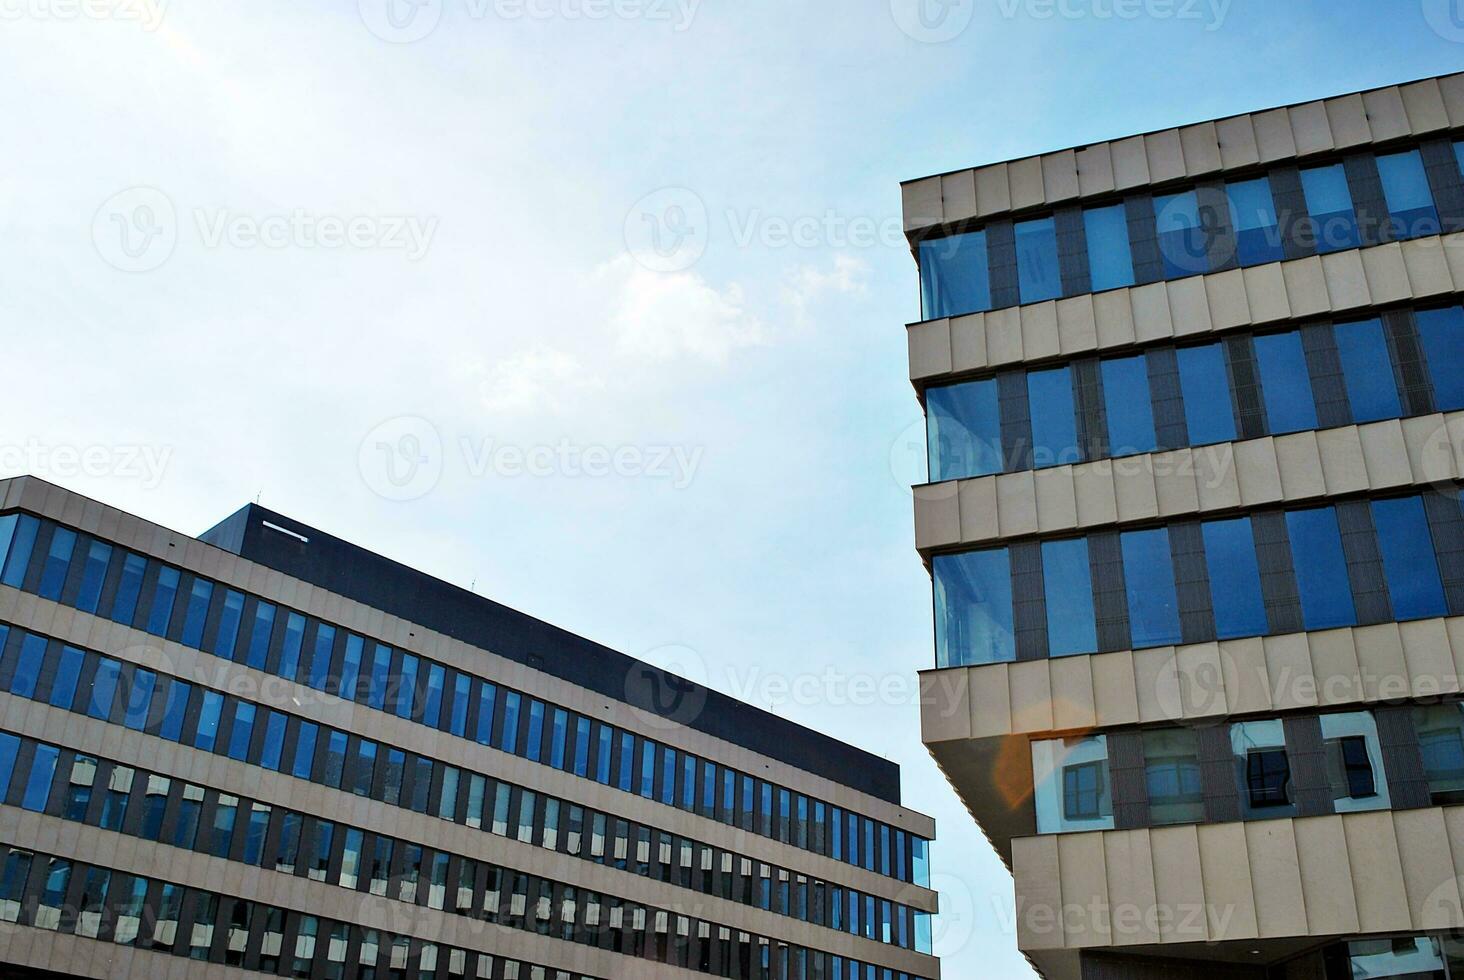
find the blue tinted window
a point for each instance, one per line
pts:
(432, 698)
(1205, 386)
(174, 711)
(1253, 217)
(581, 746)
(162, 604)
(124, 606)
(58, 562)
(648, 773)
(487, 695)
(602, 760)
(1235, 578)
(458, 722)
(1038, 276)
(1368, 371)
(1054, 421)
(229, 616)
(536, 730)
(558, 734)
(1285, 383)
(954, 276)
(243, 729)
(38, 785)
(1110, 261)
(1183, 244)
(1442, 334)
(305, 750)
(68, 673)
(208, 721)
(1408, 558)
(973, 609)
(318, 675)
(18, 551)
(380, 670)
(1410, 202)
(1148, 572)
(258, 652)
(1129, 409)
(28, 666)
(1459, 155)
(289, 666)
(104, 689)
(196, 613)
(1068, 585)
(1329, 201)
(7, 534)
(964, 430)
(9, 747)
(1321, 569)
(508, 742)
(351, 668)
(407, 689)
(138, 699)
(274, 741)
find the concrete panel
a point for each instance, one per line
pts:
(968, 342)
(1380, 658)
(1156, 681)
(1344, 467)
(1346, 280)
(930, 348)
(1200, 145)
(1038, 873)
(1134, 489)
(1166, 158)
(979, 520)
(1004, 336)
(1288, 664)
(1084, 884)
(1276, 875)
(959, 193)
(945, 705)
(1174, 483)
(1386, 117)
(1428, 869)
(1347, 120)
(1039, 331)
(1115, 688)
(1451, 90)
(1265, 293)
(1384, 453)
(1387, 277)
(1031, 696)
(1377, 872)
(921, 202)
(1095, 169)
(1060, 176)
(1025, 177)
(1274, 137)
(1077, 325)
(993, 192)
(1201, 680)
(1097, 501)
(1306, 286)
(991, 701)
(1130, 163)
(1430, 452)
(1228, 303)
(1423, 103)
(1246, 675)
(1131, 892)
(1257, 472)
(1114, 313)
(1237, 136)
(1073, 706)
(937, 515)
(1152, 320)
(1215, 476)
(1429, 657)
(1179, 883)
(1326, 876)
(1427, 267)
(1335, 668)
(1298, 458)
(1057, 502)
(1016, 504)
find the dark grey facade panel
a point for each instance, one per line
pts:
(1217, 775)
(1307, 753)
(1143, 239)
(1192, 583)
(1110, 597)
(1088, 398)
(1245, 387)
(1415, 387)
(1442, 167)
(1367, 198)
(1446, 524)
(1329, 388)
(1407, 783)
(1278, 579)
(1029, 604)
(1293, 220)
(1016, 420)
(1001, 260)
(1219, 231)
(1072, 250)
(1128, 780)
(1364, 562)
(1170, 429)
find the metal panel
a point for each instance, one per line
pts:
(1143, 238)
(1168, 402)
(1001, 255)
(1016, 420)
(1329, 388)
(1245, 387)
(1367, 197)
(1192, 582)
(1092, 419)
(1446, 522)
(1072, 251)
(1293, 220)
(1214, 207)
(1217, 775)
(1407, 784)
(1442, 168)
(1307, 755)
(1278, 580)
(1029, 605)
(1415, 388)
(1364, 562)
(1110, 598)
(1127, 780)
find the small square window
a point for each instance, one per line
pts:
(1267, 776)
(1082, 791)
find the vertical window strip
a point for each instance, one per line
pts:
(1409, 370)
(1364, 562)
(1329, 387)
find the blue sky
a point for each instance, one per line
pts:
(603, 314)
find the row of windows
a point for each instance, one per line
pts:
(58, 894)
(1315, 568)
(1397, 958)
(61, 895)
(31, 666)
(1320, 376)
(1074, 788)
(92, 575)
(1362, 200)
(1301, 766)
(85, 788)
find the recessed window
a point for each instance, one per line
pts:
(1172, 776)
(1263, 768)
(1368, 371)
(1235, 578)
(1148, 572)
(1410, 202)
(1110, 259)
(1038, 275)
(954, 275)
(1404, 958)
(963, 430)
(1285, 383)
(1440, 731)
(1205, 384)
(1183, 244)
(1253, 218)
(1329, 201)
(973, 608)
(1129, 409)
(1068, 587)
(1321, 569)
(1354, 762)
(1442, 334)
(1054, 419)
(1071, 783)
(1409, 560)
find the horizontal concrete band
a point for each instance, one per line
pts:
(44, 723)
(47, 500)
(90, 845)
(1422, 451)
(1195, 307)
(79, 956)
(1345, 122)
(1376, 872)
(134, 647)
(1203, 681)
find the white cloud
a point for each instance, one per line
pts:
(534, 380)
(663, 315)
(806, 284)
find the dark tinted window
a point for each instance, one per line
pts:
(1442, 334)
(1253, 217)
(1182, 240)
(1130, 411)
(964, 430)
(973, 608)
(953, 275)
(1205, 385)
(1285, 383)
(1148, 571)
(1321, 569)
(1038, 275)
(1328, 199)
(1054, 424)
(1408, 558)
(1068, 585)
(1368, 371)
(1110, 260)
(1410, 202)
(1235, 578)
